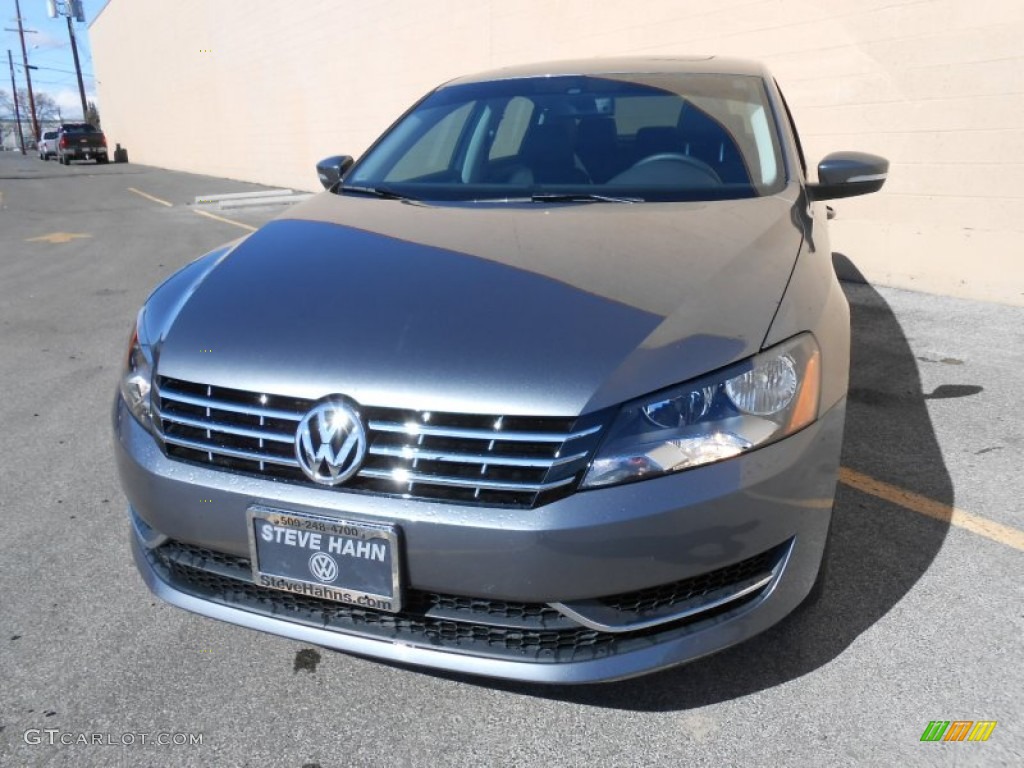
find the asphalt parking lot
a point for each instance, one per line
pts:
(921, 619)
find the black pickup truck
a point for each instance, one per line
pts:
(81, 141)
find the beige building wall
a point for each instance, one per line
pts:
(262, 89)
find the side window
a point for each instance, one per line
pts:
(509, 136)
(433, 151)
(764, 148)
(792, 127)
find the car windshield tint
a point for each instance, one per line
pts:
(79, 128)
(614, 137)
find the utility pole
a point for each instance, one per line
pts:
(28, 77)
(78, 71)
(17, 112)
(71, 9)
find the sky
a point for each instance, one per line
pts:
(50, 50)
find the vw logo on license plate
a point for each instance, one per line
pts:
(323, 567)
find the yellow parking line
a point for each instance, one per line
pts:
(915, 502)
(215, 217)
(150, 197)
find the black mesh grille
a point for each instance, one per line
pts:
(668, 595)
(497, 628)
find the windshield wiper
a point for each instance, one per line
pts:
(382, 192)
(574, 197)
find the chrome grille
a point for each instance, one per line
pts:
(487, 459)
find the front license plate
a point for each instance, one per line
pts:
(341, 560)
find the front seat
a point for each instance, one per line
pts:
(548, 153)
(657, 140)
(708, 140)
(598, 148)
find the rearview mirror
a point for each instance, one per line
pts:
(331, 169)
(848, 174)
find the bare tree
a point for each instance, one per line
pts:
(46, 108)
(92, 115)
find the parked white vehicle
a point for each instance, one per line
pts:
(47, 145)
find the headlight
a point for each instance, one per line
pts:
(137, 377)
(748, 405)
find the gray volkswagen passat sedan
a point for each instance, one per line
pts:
(549, 385)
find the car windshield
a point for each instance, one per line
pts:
(79, 128)
(630, 138)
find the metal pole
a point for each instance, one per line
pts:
(17, 112)
(78, 71)
(28, 77)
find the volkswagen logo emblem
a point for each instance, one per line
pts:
(323, 567)
(330, 443)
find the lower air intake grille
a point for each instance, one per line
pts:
(479, 626)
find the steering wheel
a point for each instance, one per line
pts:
(676, 157)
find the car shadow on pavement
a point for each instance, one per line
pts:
(878, 552)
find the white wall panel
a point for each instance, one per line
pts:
(261, 90)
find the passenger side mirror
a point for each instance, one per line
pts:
(331, 169)
(848, 174)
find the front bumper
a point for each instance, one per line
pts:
(589, 545)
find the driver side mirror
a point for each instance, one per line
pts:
(848, 174)
(331, 169)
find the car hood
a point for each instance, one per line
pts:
(504, 309)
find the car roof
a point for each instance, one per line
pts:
(621, 66)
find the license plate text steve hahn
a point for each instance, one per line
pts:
(339, 545)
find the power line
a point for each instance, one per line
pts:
(90, 75)
(49, 82)
(58, 83)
